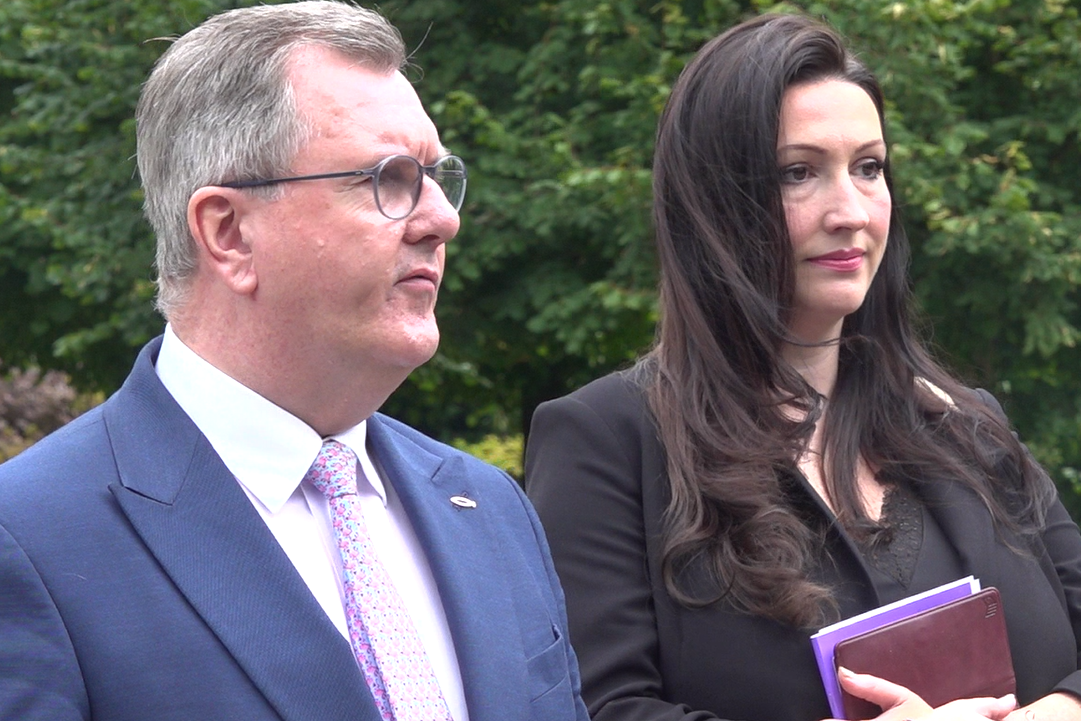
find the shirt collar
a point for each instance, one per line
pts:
(267, 448)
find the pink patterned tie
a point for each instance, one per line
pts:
(382, 635)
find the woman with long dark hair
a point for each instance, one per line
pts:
(788, 454)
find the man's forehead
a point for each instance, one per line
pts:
(327, 83)
(344, 101)
(309, 64)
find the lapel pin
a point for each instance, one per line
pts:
(463, 502)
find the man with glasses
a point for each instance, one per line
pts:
(237, 533)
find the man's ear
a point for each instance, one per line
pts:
(214, 216)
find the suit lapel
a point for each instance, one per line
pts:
(203, 530)
(469, 566)
(966, 523)
(963, 517)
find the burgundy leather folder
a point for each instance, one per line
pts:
(957, 650)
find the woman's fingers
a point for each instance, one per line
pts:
(900, 704)
(881, 692)
(988, 707)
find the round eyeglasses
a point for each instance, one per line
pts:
(396, 182)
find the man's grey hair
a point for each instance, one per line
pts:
(218, 107)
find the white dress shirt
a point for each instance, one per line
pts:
(269, 450)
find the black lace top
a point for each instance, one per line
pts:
(910, 551)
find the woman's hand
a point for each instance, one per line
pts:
(900, 704)
(1052, 707)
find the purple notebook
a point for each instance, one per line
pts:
(826, 639)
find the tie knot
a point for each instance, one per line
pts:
(334, 472)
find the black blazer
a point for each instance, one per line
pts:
(595, 471)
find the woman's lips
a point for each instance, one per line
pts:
(842, 261)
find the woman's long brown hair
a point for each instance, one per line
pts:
(720, 391)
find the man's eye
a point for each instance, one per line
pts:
(400, 173)
(358, 180)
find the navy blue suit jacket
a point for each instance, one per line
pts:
(138, 582)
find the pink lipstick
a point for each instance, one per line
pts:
(842, 261)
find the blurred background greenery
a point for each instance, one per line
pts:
(551, 281)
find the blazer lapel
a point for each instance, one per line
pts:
(469, 566)
(198, 523)
(844, 567)
(967, 523)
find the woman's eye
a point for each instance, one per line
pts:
(870, 169)
(795, 174)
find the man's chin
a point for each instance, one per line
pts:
(421, 348)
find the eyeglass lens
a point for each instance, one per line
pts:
(399, 179)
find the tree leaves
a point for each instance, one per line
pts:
(76, 282)
(553, 104)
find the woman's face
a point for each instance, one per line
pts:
(831, 154)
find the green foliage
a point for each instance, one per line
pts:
(75, 254)
(984, 127)
(553, 103)
(552, 280)
(501, 451)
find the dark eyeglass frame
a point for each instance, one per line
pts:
(433, 171)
